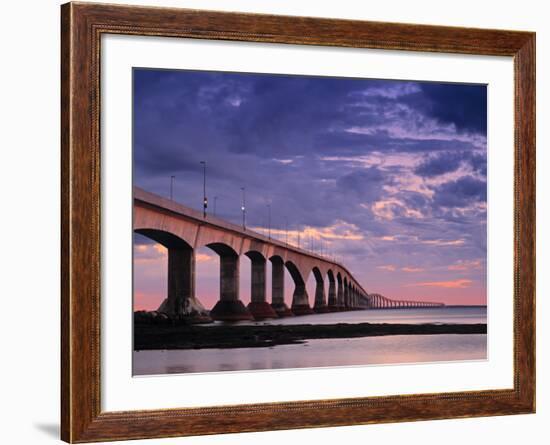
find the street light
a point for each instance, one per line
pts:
(286, 230)
(243, 207)
(204, 198)
(269, 220)
(172, 187)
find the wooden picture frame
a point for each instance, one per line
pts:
(82, 26)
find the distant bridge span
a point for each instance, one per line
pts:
(183, 230)
(377, 301)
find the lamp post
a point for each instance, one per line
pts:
(269, 221)
(204, 198)
(286, 230)
(243, 207)
(172, 187)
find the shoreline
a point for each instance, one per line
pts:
(155, 337)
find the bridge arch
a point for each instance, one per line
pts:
(278, 286)
(164, 238)
(320, 302)
(180, 295)
(229, 306)
(332, 298)
(258, 306)
(212, 237)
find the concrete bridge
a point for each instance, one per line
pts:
(377, 301)
(183, 230)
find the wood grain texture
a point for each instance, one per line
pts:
(81, 28)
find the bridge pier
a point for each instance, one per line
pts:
(300, 300)
(229, 307)
(278, 288)
(320, 303)
(340, 294)
(180, 301)
(258, 306)
(345, 295)
(332, 299)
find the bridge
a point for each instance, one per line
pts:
(378, 301)
(183, 230)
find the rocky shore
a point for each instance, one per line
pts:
(181, 336)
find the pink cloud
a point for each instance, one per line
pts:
(465, 265)
(412, 269)
(453, 284)
(440, 242)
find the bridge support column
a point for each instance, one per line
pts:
(346, 297)
(229, 307)
(340, 295)
(320, 305)
(181, 301)
(278, 288)
(258, 306)
(300, 300)
(332, 300)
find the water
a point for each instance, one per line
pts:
(334, 352)
(442, 315)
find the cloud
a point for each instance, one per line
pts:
(412, 269)
(284, 161)
(366, 183)
(149, 253)
(468, 112)
(465, 265)
(339, 231)
(392, 208)
(461, 193)
(394, 91)
(442, 242)
(387, 267)
(450, 161)
(439, 164)
(453, 284)
(204, 257)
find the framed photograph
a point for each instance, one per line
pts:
(274, 222)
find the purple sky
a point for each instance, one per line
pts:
(389, 176)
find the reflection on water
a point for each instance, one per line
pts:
(317, 353)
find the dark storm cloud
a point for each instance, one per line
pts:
(461, 193)
(366, 183)
(439, 165)
(465, 106)
(450, 161)
(479, 163)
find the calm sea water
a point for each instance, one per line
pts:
(334, 352)
(443, 315)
